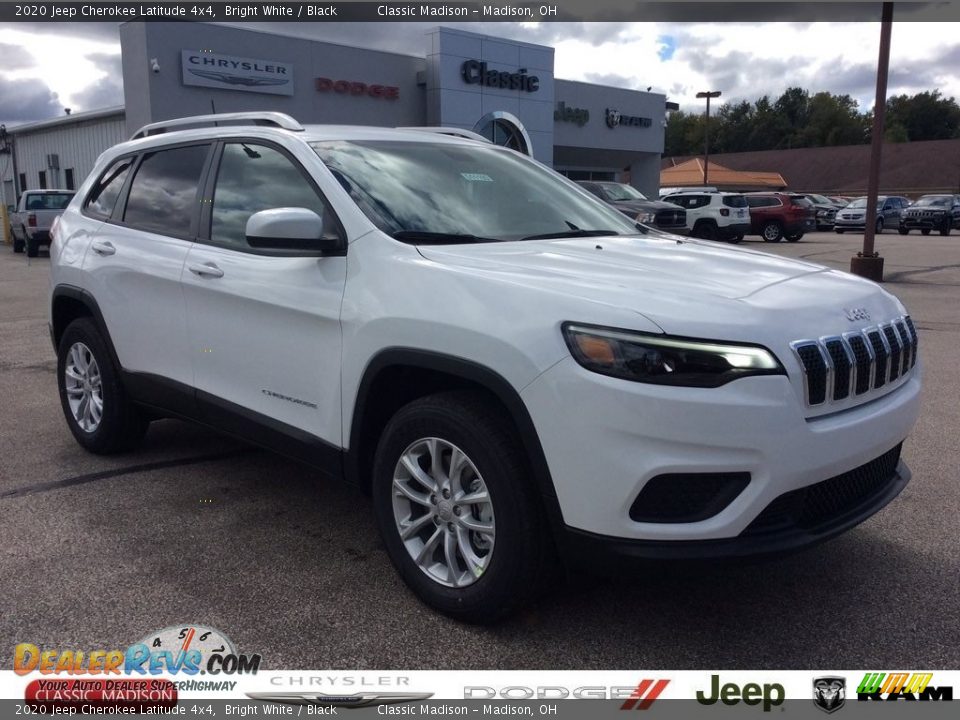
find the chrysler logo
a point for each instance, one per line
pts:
(854, 314)
(355, 700)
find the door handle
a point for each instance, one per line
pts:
(206, 270)
(102, 247)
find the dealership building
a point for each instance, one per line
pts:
(502, 89)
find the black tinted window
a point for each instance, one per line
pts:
(252, 178)
(755, 201)
(107, 189)
(164, 190)
(735, 201)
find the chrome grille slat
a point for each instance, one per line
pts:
(837, 368)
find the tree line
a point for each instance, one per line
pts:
(798, 119)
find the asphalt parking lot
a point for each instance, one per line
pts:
(194, 527)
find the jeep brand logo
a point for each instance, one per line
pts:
(854, 314)
(578, 116)
(770, 695)
(475, 72)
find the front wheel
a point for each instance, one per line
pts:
(94, 402)
(795, 237)
(838, 231)
(33, 247)
(736, 239)
(945, 230)
(457, 510)
(903, 231)
(878, 229)
(772, 232)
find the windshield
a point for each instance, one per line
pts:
(429, 192)
(939, 200)
(619, 191)
(858, 203)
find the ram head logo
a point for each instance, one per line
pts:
(829, 693)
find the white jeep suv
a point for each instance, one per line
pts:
(513, 370)
(714, 215)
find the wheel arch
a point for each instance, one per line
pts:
(396, 376)
(69, 303)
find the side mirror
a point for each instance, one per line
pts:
(290, 229)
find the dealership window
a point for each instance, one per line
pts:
(502, 128)
(105, 192)
(42, 177)
(252, 178)
(68, 178)
(163, 194)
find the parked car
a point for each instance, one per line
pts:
(664, 191)
(30, 222)
(931, 212)
(887, 216)
(634, 204)
(714, 215)
(777, 215)
(514, 371)
(840, 201)
(825, 208)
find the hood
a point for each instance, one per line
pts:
(684, 286)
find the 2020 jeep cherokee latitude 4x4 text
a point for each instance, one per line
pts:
(511, 368)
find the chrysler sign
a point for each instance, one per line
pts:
(228, 72)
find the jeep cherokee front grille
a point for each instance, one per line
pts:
(840, 366)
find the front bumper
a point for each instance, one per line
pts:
(921, 223)
(605, 439)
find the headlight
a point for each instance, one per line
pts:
(646, 217)
(666, 360)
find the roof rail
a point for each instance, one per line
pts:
(276, 119)
(456, 132)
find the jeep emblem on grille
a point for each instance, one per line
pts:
(854, 314)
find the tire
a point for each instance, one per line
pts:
(795, 237)
(705, 230)
(924, 231)
(878, 228)
(33, 248)
(507, 576)
(83, 352)
(838, 231)
(17, 244)
(945, 230)
(903, 231)
(735, 239)
(771, 231)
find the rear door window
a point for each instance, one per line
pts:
(735, 201)
(103, 196)
(163, 195)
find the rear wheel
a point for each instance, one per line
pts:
(879, 226)
(33, 247)
(17, 243)
(838, 231)
(772, 232)
(457, 510)
(903, 231)
(94, 402)
(795, 237)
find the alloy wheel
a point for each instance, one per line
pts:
(443, 512)
(84, 387)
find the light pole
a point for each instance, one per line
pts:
(706, 130)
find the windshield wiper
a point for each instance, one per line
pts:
(422, 237)
(570, 234)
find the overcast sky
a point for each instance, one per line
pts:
(46, 68)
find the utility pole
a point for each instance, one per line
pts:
(868, 263)
(706, 131)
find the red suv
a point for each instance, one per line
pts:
(775, 215)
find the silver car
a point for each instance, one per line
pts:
(889, 208)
